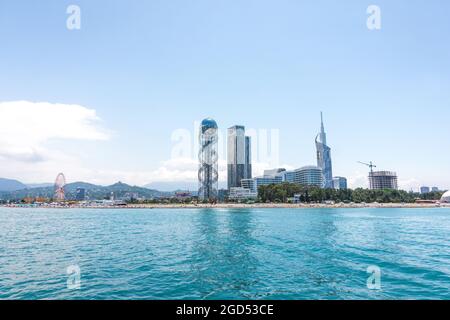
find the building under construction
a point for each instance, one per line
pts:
(380, 180)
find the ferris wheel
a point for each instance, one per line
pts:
(60, 183)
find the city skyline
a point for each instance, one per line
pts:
(223, 175)
(104, 101)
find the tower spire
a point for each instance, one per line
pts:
(323, 135)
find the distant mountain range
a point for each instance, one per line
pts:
(11, 185)
(39, 185)
(15, 190)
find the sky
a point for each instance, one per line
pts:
(110, 101)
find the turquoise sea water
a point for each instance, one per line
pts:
(225, 254)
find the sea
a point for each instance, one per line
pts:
(225, 254)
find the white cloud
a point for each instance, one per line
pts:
(409, 184)
(26, 127)
(358, 180)
(176, 169)
(180, 170)
(27, 130)
(26, 152)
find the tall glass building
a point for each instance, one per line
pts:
(324, 156)
(309, 176)
(208, 173)
(238, 156)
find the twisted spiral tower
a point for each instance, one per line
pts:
(208, 174)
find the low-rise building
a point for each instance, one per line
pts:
(240, 193)
(274, 176)
(305, 176)
(249, 184)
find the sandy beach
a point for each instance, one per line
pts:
(283, 206)
(243, 206)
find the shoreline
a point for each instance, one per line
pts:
(245, 206)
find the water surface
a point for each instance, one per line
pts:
(224, 254)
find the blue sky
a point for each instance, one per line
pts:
(148, 68)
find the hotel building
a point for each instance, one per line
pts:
(309, 176)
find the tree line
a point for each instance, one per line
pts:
(282, 193)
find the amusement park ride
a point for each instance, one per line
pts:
(59, 187)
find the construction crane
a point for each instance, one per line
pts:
(370, 165)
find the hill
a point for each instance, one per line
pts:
(11, 185)
(94, 192)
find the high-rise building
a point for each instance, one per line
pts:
(80, 194)
(380, 180)
(340, 183)
(434, 189)
(309, 176)
(239, 156)
(208, 173)
(424, 190)
(324, 156)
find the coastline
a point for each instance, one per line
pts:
(245, 206)
(286, 206)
